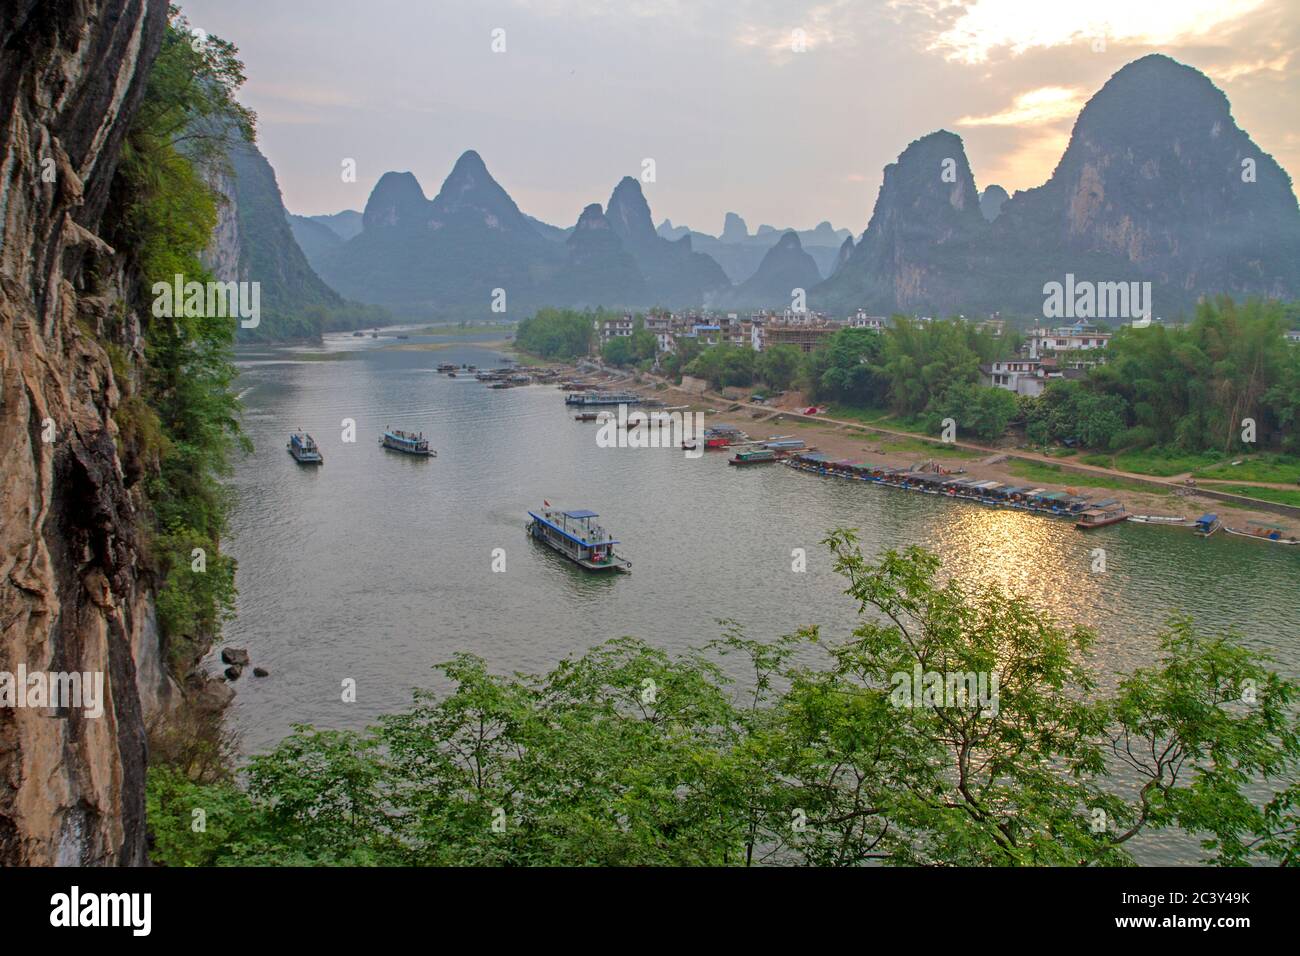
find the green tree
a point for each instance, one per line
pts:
(619, 350)
(557, 333)
(179, 419)
(779, 365)
(829, 754)
(981, 412)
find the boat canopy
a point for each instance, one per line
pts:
(602, 540)
(1106, 503)
(580, 514)
(1207, 519)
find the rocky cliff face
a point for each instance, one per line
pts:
(598, 264)
(73, 596)
(675, 274)
(1158, 184)
(927, 206)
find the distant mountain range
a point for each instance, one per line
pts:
(448, 255)
(740, 253)
(1158, 184)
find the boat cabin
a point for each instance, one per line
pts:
(577, 536)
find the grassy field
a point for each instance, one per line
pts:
(939, 449)
(868, 416)
(1054, 474)
(876, 416)
(1279, 495)
(1162, 462)
(1277, 468)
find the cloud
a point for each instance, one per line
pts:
(1021, 25)
(820, 27)
(307, 94)
(1047, 104)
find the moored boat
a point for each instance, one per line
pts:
(602, 398)
(1207, 524)
(576, 536)
(1101, 514)
(304, 449)
(1273, 535)
(1159, 519)
(760, 456)
(408, 443)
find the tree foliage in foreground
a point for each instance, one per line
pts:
(627, 756)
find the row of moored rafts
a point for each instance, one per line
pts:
(1085, 513)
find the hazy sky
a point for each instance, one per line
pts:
(714, 93)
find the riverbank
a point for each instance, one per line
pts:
(858, 441)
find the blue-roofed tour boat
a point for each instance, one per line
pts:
(576, 535)
(408, 443)
(304, 449)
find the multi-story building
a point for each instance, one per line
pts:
(663, 328)
(1071, 338)
(1025, 376)
(607, 329)
(706, 334)
(805, 337)
(860, 320)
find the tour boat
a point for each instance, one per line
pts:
(761, 456)
(304, 450)
(446, 367)
(407, 443)
(576, 536)
(1101, 514)
(1263, 534)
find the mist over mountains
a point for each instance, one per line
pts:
(1158, 183)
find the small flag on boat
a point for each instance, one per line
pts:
(545, 503)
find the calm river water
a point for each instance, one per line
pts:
(378, 565)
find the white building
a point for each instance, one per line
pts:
(1071, 338)
(1024, 376)
(860, 320)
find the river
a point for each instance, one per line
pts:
(377, 565)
